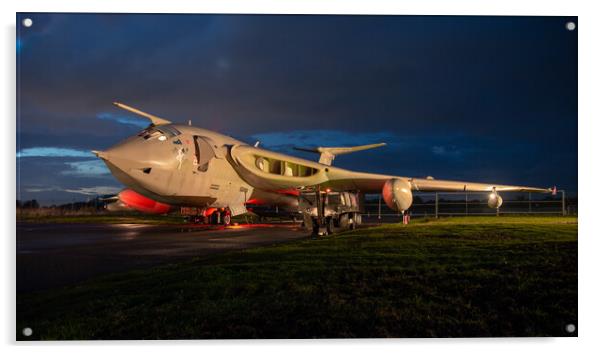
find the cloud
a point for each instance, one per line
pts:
(241, 76)
(137, 122)
(98, 190)
(42, 189)
(91, 168)
(53, 152)
(446, 151)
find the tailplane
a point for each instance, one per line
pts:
(327, 154)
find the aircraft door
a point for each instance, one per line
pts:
(191, 171)
(203, 153)
(198, 180)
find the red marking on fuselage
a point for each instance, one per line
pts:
(141, 203)
(255, 201)
(291, 192)
(209, 211)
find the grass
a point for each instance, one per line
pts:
(479, 276)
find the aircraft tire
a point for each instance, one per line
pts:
(215, 216)
(226, 219)
(352, 221)
(315, 229)
(330, 226)
(344, 223)
(357, 219)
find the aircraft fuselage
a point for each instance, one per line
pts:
(185, 166)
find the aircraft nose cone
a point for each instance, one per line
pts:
(112, 157)
(124, 156)
(142, 163)
(126, 161)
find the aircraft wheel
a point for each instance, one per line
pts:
(330, 226)
(357, 219)
(226, 219)
(308, 222)
(352, 220)
(344, 221)
(315, 230)
(215, 218)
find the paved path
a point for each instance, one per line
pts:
(51, 255)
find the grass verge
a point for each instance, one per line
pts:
(479, 276)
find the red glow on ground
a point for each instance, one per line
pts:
(254, 226)
(210, 227)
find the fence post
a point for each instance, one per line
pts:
(466, 202)
(530, 211)
(436, 205)
(563, 204)
(379, 199)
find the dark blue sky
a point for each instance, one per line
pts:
(472, 98)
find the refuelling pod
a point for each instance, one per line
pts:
(494, 201)
(397, 194)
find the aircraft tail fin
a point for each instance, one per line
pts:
(154, 119)
(327, 154)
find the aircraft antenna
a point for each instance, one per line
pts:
(154, 119)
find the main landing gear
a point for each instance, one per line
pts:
(336, 223)
(216, 217)
(332, 219)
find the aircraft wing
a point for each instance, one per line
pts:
(373, 183)
(433, 185)
(274, 171)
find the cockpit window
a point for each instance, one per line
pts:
(169, 131)
(149, 133)
(154, 132)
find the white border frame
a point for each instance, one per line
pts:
(590, 116)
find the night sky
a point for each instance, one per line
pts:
(490, 99)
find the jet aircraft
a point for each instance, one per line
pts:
(168, 166)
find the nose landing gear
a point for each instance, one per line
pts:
(221, 217)
(210, 216)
